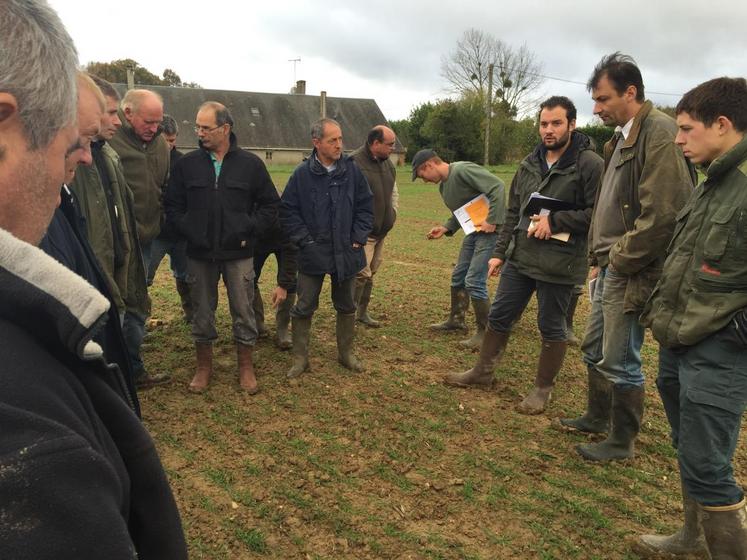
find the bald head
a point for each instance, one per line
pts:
(143, 110)
(381, 140)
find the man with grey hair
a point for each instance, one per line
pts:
(144, 154)
(327, 211)
(80, 475)
(221, 199)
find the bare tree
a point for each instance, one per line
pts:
(518, 74)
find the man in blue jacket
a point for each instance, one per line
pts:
(327, 211)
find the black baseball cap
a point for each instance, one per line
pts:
(419, 159)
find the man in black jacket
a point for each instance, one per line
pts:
(80, 474)
(221, 198)
(373, 159)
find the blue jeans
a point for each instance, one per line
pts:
(471, 270)
(613, 339)
(177, 251)
(513, 294)
(704, 391)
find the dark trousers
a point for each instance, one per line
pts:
(513, 294)
(309, 288)
(704, 391)
(261, 256)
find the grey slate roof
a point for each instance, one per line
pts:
(265, 121)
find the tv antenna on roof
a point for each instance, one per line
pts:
(294, 61)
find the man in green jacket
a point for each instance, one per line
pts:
(698, 314)
(460, 183)
(373, 160)
(543, 250)
(105, 201)
(144, 155)
(646, 182)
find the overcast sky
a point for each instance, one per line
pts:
(391, 50)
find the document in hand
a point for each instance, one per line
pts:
(473, 214)
(542, 206)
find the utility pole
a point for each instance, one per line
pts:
(489, 115)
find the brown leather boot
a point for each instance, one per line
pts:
(481, 375)
(725, 529)
(201, 380)
(459, 305)
(259, 313)
(481, 307)
(247, 379)
(688, 542)
(550, 361)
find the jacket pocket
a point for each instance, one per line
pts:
(236, 223)
(194, 224)
(714, 246)
(640, 286)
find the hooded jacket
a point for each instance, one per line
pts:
(325, 239)
(146, 168)
(574, 178)
(221, 217)
(79, 474)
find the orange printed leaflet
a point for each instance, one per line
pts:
(473, 214)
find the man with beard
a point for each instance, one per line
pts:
(545, 252)
(646, 183)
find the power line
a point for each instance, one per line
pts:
(584, 84)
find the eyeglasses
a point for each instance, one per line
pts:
(199, 128)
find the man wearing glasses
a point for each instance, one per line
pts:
(373, 160)
(145, 160)
(221, 199)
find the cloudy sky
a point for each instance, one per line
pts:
(391, 50)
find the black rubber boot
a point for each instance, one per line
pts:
(725, 529)
(362, 298)
(301, 332)
(259, 313)
(345, 329)
(182, 289)
(627, 411)
(549, 364)
(459, 304)
(688, 542)
(596, 420)
(572, 304)
(481, 375)
(283, 338)
(481, 308)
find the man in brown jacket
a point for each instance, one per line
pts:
(373, 160)
(647, 180)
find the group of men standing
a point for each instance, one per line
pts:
(80, 476)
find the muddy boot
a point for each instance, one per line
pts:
(182, 289)
(596, 420)
(481, 375)
(283, 338)
(259, 313)
(570, 335)
(627, 410)
(247, 379)
(481, 308)
(362, 297)
(688, 542)
(301, 332)
(459, 304)
(201, 380)
(550, 360)
(345, 329)
(725, 529)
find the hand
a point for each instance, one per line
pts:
(594, 273)
(436, 232)
(356, 245)
(485, 227)
(279, 295)
(494, 266)
(541, 228)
